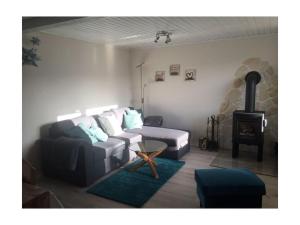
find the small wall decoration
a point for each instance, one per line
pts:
(174, 69)
(29, 55)
(160, 76)
(190, 74)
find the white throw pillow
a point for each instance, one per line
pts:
(119, 113)
(110, 124)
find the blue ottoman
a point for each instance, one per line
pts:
(229, 188)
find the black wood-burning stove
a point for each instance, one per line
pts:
(248, 125)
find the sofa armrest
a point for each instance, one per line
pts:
(90, 163)
(153, 121)
(189, 140)
(62, 152)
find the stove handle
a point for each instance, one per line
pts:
(265, 122)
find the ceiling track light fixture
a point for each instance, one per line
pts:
(163, 33)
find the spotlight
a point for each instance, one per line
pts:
(163, 34)
(168, 39)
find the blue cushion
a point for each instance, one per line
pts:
(88, 132)
(132, 112)
(222, 182)
(139, 111)
(98, 133)
(133, 120)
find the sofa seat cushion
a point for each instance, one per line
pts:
(174, 138)
(110, 147)
(130, 138)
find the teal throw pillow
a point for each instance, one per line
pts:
(88, 132)
(132, 112)
(133, 120)
(98, 133)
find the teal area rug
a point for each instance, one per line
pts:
(136, 188)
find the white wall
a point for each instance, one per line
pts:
(73, 75)
(188, 104)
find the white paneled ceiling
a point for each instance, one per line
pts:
(140, 31)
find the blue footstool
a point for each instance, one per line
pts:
(229, 188)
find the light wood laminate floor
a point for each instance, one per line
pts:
(178, 192)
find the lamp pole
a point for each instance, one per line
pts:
(142, 88)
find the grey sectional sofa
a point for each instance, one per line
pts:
(91, 160)
(80, 162)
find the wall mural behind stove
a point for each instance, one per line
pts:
(266, 100)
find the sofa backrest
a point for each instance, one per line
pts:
(58, 128)
(86, 120)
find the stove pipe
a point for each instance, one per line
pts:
(252, 79)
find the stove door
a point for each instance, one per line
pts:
(248, 127)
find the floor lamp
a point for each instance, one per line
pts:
(142, 86)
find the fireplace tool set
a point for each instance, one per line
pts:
(211, 141)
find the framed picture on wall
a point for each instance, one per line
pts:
(174, 69)
(190, 74)
(160, 76)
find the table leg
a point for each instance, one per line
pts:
(152, 156)
(153, 169)
(147, 158)
(137, 166)
(154, 163)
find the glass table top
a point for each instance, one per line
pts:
(148, 146)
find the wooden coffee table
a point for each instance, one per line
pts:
(147, 150)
